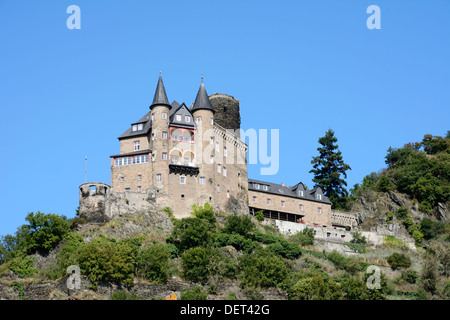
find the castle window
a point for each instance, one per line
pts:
(199, 120)
(176, 135)
(254, 199)
(228, 194)
(164, 115)
(178, 117)
(182, 197)
(224, 171)
(300, 207)
(158, 177)
(124, 161)
(300, 193)
(122, 179)
(175, 159)
(218, 168)
(127, 189)
(224, 151)
(187, 118)
(164, 156)
(135, 127)
(153, 136)
(269, 201)
(140, 159)
(153, 116)
(92, 188)
(212, 159)
(218, 188)
(217, 146)
(136, 145)
(211, 140)
(256, 185)
(139, 177)
(318, 196)
(182, 180)
(211, 121)
(265, 187)
(139, 188)
(186, 161)
(319, 210)
(202, 180)
(164, 135)
(282, 203)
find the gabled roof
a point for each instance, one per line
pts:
(202, 100)
(278, 189)
(183, 111)
(160, 97)
(147, 121)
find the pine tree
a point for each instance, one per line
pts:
(328, 169)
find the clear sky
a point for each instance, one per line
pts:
(298, 66)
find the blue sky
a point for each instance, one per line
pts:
(298, 66)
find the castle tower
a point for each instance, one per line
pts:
(160, 109)
(226, 110)
(203, 114)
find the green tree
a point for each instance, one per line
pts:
(191, 232)
(153, 263)
(195, 262)
(238, 224)
(328, 169)
(398, 260)
(262, 268)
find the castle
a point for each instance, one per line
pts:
(177, 156)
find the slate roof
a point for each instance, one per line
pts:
(160, 97)
(202, 100)
(278, 189)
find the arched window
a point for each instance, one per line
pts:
(188, 158)
(176, 135)
(175, 157)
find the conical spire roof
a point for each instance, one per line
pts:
(202, 100)
(160, 97)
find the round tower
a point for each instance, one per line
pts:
(160, 109)
(226, 111)
(203, 114)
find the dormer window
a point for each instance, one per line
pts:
(135, 127)
(178, 117)
(256, 185)
(187, 118)
(265, 187)
(300, 193)
(318, 196)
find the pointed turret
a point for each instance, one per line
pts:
(202, 100)
(160, 97)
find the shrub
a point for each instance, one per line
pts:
(262, 268)
(431, 228)
(304, 237)
(410, 276)
(191, 232)
(259, 215)
(358, 238)
(384, 184)
(153, 263)
(23, 267)
(124, 295)
(357, 247)
(195, 262)
(398, 260)
(106, 260)
(340, 261)
(429, 274)
(242, 225)
(222, 265)
(314, 287)
(236, 240)
(195, 293)
(285, 249)
(206, 213)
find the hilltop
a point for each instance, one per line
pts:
(216, 255)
